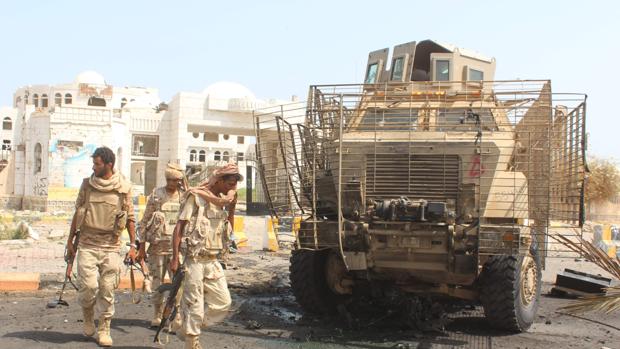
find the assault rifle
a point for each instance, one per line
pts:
(136, 298)
(69, 258)
(170, 309)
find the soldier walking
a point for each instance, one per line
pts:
(206, 221)
(104, 209)
(157, 225)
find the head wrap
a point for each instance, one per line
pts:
(203, 189)
(228, 169)
(174, 171)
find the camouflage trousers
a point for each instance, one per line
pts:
(158, 269)
(98, 277)
(204, 284)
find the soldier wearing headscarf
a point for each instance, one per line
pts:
(156, 227)
(201, 226)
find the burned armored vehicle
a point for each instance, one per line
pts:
(430, 177)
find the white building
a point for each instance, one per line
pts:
(51, 131)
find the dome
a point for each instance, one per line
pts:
(228, 90)
(89, 77)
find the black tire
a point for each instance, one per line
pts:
(307, 275)
(501, 292)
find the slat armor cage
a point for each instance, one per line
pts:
(504, 157)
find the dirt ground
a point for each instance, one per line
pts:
(265, 315)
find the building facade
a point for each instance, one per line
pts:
(50, 132)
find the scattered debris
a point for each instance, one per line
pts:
(576, 283)
(608, 302)
(252, 325)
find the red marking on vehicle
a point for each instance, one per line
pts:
(477, 168)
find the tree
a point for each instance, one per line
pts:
(603, 181)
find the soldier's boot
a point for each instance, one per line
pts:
(192, 342)
(158, 309)
(104, 340)
(89, 321)
(177, 328)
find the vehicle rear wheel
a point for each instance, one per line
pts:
(510, 290)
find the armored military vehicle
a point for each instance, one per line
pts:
(430, 177)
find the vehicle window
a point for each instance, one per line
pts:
(397, 68)
(389, 120)
(371, 74)
(476, 75)
(442, 70)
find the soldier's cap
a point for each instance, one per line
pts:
(174, 171)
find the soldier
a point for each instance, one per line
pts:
(206, 222)
(104, 209)
(157, 225)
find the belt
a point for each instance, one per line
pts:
(205, 258)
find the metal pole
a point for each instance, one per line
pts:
(340, 220)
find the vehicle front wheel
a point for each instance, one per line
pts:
(510, 290)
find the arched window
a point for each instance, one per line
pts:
(226, 137)
(192, 156)
(35, 100)
(37, 158)
(44, 100)
(57, 99)
(7, 124)
(202, 156)
(96, 102)
(226, 156)
(217, 156)
(68, 98)
(123, 102)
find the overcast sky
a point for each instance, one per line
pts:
(278, 48)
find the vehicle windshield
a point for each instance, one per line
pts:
(427, 119)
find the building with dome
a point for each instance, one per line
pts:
(50, 132)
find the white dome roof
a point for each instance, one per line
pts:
(228, 90)
(90, 77)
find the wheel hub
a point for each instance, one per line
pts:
(529, 280)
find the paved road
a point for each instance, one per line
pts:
(265, 315)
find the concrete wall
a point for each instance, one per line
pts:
(37, 170)
(11, 202)
(34, 203)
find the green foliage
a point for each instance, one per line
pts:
(242, 192)
(12, 234)
(603, 180)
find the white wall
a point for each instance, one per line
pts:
(37, 132)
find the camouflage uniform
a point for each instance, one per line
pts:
(160, 217)
(102, 213)
(204, 279)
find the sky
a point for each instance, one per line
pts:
(278, 48)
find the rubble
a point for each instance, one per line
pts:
(575, 283)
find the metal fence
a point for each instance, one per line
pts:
(505, 155)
